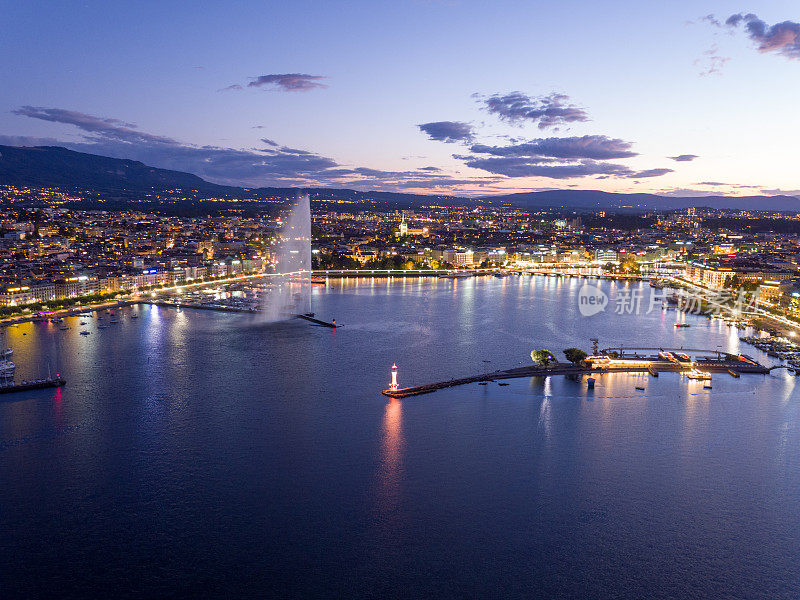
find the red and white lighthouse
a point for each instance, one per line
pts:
(393, 385)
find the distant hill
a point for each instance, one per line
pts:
(594, 200)
(53, 166)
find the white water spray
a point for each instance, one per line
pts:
(289, 292)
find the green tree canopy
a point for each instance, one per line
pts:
(575, 355)
(543, 357)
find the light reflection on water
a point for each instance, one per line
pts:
(212, 442)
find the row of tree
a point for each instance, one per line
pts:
(545, 357)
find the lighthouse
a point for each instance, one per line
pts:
(393, 385)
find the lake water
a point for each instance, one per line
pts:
(196, 453)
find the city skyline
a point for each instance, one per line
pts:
(467, 99)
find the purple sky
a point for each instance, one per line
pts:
(455, 96)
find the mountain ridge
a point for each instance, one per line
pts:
(55, 166)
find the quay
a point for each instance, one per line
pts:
(197, 305)
(37, 384)
(626, 360)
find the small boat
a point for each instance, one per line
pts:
(86, 333)
(682, 325)
(590, 382)
(698, 375)
(8, 353)
(639, 387)
(706, 387)
(134, 316)
(503, 384)
(483, 383)
(63, 327)
(101, 326)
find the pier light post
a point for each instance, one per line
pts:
(393, 385)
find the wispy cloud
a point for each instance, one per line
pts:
(711, 62)
(683, 157)
(98, 126)
(288, 82)
(547, 112)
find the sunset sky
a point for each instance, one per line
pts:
(449, 96)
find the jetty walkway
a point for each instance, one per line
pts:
(731, 364)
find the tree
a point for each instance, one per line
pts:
(629, 265)
(543, 357)
(575, 355)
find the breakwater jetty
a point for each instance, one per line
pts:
(36, 384)
(624, 360)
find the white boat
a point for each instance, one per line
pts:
(698, 375)
(7, 369)
(8, 353)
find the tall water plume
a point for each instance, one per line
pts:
(289, 292)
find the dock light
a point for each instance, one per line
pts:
(393, 385)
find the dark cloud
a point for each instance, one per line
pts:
(524, 167)
(547, 112)
(649, 173)
(782, 38)
(269, 142)
(272, 165)
(288, 82)
(558, 158)
(683, 157)
(598, 147)
(447, 131)
(710, 183)
(97, 126)
(780, 192)
(26, 140)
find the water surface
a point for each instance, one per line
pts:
(196, 453)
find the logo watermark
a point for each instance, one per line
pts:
(634, 301)
(591, 300)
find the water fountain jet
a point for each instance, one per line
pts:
(288, 293)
